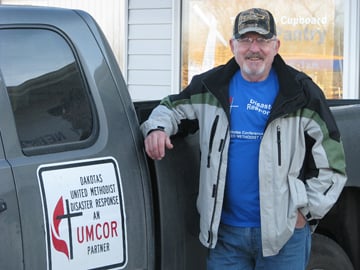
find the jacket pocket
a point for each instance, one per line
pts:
(298, 193)
(278, 142)
(211, 141)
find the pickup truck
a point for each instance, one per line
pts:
(77, 190)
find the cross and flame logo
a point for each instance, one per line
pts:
(58, 215)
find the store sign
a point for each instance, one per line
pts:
(84, 215)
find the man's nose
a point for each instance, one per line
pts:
(254, 46)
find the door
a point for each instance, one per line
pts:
(11, 255)
(72, 144)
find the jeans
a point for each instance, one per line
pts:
(240, 249)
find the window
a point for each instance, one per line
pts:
(311, 35)
(46, 90)
(109, 15)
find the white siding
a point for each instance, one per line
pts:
(141, 4)
(150, 49)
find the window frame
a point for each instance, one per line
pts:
(351, 75)
(67, 146)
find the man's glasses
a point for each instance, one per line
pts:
(261, 42)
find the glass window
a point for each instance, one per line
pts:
(311, 35)
(47, 93)
(109, 15)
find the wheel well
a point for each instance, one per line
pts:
(327, 254)
(342, 222)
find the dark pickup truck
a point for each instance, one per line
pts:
(77, 190)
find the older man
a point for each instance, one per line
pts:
(272, 161)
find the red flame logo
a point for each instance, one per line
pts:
(59, 245)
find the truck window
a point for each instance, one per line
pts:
(47, 92)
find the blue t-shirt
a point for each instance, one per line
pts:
(250, 105)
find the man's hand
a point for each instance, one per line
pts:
(155, 143)
(301, 221)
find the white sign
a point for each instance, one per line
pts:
(84, 215)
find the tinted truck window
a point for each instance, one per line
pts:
(46, 90)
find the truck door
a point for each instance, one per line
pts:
(11, 255)
(71, 142)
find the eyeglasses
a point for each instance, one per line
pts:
(261, 42)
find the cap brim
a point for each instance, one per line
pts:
(258, 30)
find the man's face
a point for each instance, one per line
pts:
(254, 55)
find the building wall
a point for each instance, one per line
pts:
(152, 50)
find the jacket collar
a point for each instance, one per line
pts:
(217, 82)
(291, 95)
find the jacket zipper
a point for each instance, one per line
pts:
(221, 150)
(278, 140)
(212, 135)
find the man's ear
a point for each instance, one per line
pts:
(231, 43)
(278, 44)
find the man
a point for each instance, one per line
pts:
(272, 162)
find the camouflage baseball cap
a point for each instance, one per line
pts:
(256, 20)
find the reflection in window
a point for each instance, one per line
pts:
(46, 91)
(311, 35)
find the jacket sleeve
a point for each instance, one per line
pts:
(174, 115)
(323, 170)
